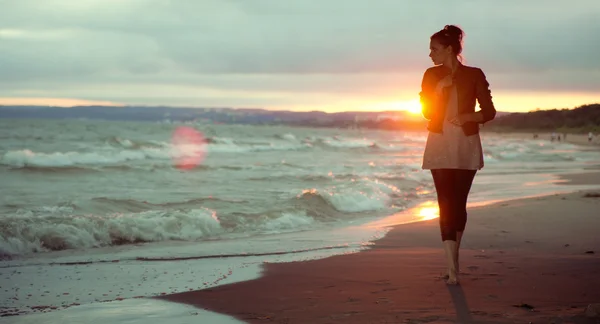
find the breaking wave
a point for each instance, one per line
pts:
(98, 223)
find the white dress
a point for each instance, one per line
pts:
(452, 149)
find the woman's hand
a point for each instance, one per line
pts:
(462, 119)
(444, 83)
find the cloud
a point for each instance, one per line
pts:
(112, 49)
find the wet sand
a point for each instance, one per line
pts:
(532, 260)
(586, 178)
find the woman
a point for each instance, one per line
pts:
(453, 151)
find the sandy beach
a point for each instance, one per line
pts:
(532, 260)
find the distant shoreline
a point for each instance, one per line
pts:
(572, 138)
(580, 120)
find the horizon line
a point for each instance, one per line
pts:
(265, 109)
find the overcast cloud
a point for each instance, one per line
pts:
(273, 52)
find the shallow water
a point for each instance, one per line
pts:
(93, 202)
(85, 184)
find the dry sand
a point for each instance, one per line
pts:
(533, 260)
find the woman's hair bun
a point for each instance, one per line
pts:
(454, 32)
(451, 35)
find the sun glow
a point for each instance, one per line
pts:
(412, 106)
(428, 210)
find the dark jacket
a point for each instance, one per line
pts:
(470, 84)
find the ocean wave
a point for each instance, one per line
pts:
(220, 140)
(252, 148)
(501, 155)
(534, 151)
(101, 205)
(121, 151)
(336, 142)
(362, 195)
(28, 158)
(287, 136)
(107, 221)
(135, 144)
(22, 234)
(53, 169)
(289, 142)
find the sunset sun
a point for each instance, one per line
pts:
(411, 106)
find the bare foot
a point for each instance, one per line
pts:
(446, 276)
(452, 277)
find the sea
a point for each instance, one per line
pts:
(95, 216)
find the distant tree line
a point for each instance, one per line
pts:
(582, 119)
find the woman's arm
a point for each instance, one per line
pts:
(427, 95)
(487, 111)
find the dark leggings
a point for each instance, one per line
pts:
(452, 187)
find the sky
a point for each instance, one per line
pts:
(331, 55)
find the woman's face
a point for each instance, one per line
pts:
(438, 52)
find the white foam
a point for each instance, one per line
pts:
(234, 148)
(289, 221)
(222, 140)
(113, 156)
(339, 142)
(24, 233)
(125, 142)
(25, 158)
(499, 151)
(44, 281)
(131, 311)
(63, 285)
(359, 196)
(289, 137)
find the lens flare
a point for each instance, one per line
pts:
(188, 148)
(428, 210)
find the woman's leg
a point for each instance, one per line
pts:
(444, 186)
(463, 179)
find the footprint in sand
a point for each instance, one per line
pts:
(383, 290)
(383, 300)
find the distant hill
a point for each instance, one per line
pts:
(218, 115)
(582, 119)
